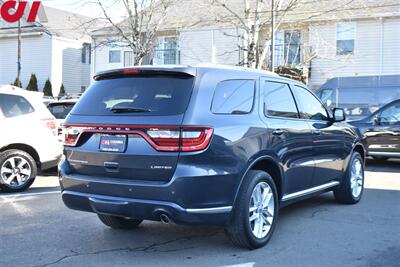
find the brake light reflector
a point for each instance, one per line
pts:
(162, 138)
(71, 135)
(127, 72)
(186, 139)
(167, 139)
(195, 140)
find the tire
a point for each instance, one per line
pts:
(346, 192)
(240, 228)
(22, 175)
(119, 222)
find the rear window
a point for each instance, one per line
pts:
(128, 96)
(13, 105)
(61, 110)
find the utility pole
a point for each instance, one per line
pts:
(19, 54)
(272, 60)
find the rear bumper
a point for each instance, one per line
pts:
(50, 164)
(144, 209)
(185, 200)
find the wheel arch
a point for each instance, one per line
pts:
(268, 164)
(26, 148)
(358, 147)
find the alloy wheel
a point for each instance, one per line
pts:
(357, 178)
(261, 210)
(15, 171)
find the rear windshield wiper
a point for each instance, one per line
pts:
(130, 110)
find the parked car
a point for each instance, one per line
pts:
(47, 100)
(360, 96)
(205, 145)
(382, 131)
(60, 110)
(27, 138)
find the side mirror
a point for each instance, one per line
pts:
(339, 115)
(377, 120)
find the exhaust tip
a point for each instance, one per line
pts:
(164, 219)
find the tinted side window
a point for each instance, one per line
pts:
(310, 107)
(278, 100)
(328, 97)
(233, 97)
(391, 114)
(13, 105)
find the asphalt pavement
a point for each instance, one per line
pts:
(36, 229)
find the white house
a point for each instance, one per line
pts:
(57, 48)
(327, 38)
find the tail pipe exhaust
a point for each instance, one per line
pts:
(165, 219)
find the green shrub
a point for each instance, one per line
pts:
(48, 89)
(33, 83)
(62, 90)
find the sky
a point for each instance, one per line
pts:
(87, 7)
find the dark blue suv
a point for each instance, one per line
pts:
(205, 145)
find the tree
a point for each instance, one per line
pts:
(62, 90)
(48, 89)
(33, 83)
(255, 16)
(258, 21)
(17, 83)
(138, 30)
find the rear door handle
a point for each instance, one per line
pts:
(277, 132)
(317, 132)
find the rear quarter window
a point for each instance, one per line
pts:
(233, 97)
(14, 106)
(154, 95)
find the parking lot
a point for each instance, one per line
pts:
(38, 230)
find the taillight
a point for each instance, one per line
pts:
(186, 139)
(70, 135)
(195, 140)
(173, 139)
(166, 140)
(50, 124)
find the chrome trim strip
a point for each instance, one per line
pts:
(385, 154)
(317, 161)
(310, 190)
(210, 210)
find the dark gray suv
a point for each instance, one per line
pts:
(205, 145)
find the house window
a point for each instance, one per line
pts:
(86, 53)
(287, 48)
(114, 56)
(345, 38)
(167, 51)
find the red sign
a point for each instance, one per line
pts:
(13, 11)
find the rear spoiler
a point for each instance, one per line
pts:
(185, 72)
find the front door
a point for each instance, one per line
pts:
(290, 137)
(328, 138)
(383, 137)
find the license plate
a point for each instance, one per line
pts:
(113, 143)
